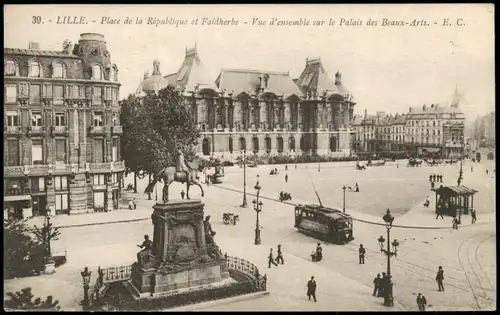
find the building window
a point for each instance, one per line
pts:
(439, 132)
(12, 118)
(111, 74)
(34, 69)
(37, 152)
(11, 93)
(81, 91)
(38, 184)
(58, 70)
(35, 93)
(115, 94)
(12, 152)
(98, 119)
(36, 119)
(47, 90)
(61, 183)
(97, 72)
(114, 153)
(62, 202)
(114, 178)
(60, 151)
(99, 179)
(10, 67)
(98, 150)
(58, 94)
(99, 200)
(59, 119)
(108, 93)
(97, 96)
(115, 121)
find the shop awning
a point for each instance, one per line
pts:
(17, 198)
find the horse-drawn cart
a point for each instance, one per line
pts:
(230, 218)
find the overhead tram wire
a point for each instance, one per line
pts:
(360, 220)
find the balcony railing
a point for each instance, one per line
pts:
(117, 130)
(60, 130)
(13, 130)
(16, 191)
(97, 130)
(36, 130)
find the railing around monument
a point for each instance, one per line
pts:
(249, 280)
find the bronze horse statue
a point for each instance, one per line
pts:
(182, 173)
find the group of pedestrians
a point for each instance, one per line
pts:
(433, 178)
(279, 258)
(381, 285)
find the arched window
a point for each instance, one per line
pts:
(230, 145)
(112, 74)
(58, 70)
(255, 141)
(10, 67)
(243, 143)
(268, 145)
(280, 144)
(97, 72)
(34, 70)
(291, 144)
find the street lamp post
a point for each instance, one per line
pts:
(257, 206)
(86, 274)
(244, 161)
(343, 204)
(388, 219)
(461, 172)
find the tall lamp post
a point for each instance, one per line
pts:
(86, 274)
(244, 161)
(257, 206)
(343, 204)
(388, 219)
(461, 172)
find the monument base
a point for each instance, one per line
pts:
(158, 282)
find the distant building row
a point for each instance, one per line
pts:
(434, 128)
(262, 111)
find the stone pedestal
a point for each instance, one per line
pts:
(182, 258)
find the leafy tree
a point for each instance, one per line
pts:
(23, 300)
(22, 254)
(155, 127)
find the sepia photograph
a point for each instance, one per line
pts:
(253, 157)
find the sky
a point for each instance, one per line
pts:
(385, 67)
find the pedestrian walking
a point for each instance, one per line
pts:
(286, 167)
(454, 223)
(134, 203)
(427, 202)
(362, 252)
(421, 302)
(432, 185)
(280, 256)
(473, 216)
(311, 289)
(440, 278)
(382, 286)
(376, 284)
(271, 259)
(486, 172)
(286, 178)
(439, 213)
(356, 189)
(433, 177)
(183, 194)
(295, 165)
(430, 178)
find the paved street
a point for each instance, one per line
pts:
(467, 255)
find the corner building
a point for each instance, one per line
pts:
(62, 129)
(262, 111)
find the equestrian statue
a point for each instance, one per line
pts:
(182, 173)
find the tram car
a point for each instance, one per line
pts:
(324, 223)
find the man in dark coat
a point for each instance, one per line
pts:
(382, 286)
(362, 253)
(311, 289)
(286, 178)
(319, 252)
(376, 284)
(271, 259)
(473, 216)
(280, 256)
(440, 278)
(421, 302)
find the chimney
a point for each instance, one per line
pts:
(409, 110)
(33, 45)
(366, 113)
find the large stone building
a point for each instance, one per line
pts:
(434, 128)
(262, 111)
(62, 130)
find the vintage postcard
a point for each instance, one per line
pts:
(249, 157)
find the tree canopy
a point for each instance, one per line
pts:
(154, 128)
(23, 300)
